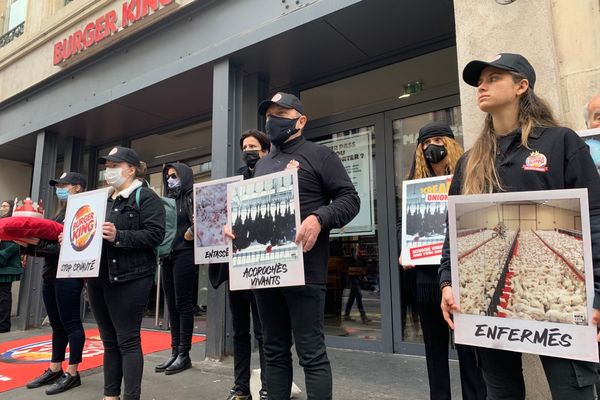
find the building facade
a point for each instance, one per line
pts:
(180, 80)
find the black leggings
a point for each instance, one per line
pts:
(178, 277)
(242, 303)
(118, 309)
(62, 299)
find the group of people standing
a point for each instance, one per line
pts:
(517, 122)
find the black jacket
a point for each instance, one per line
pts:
(569, 165)
(139, 231)
(184, 198)
(49, 249)
(325, 190)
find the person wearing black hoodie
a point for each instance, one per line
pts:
(179, 271)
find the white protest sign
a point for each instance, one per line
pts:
(424, 204)
(81, 248)
(210, 215)
(264, 214)
(522, 272)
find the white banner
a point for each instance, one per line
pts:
(264, 214)
(424, 204)
(522, 272)
(82, 236)
(210, 215)
(356, 154)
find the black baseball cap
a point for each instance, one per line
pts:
(121, 154)
(434, 129)
(70, 178)
(505, 61)
(284, 100)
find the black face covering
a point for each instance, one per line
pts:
(280, 129)
(251, 157)
(435, 153)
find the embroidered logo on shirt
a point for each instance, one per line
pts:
(293, 164)
(536, 162)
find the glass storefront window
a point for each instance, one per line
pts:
(353, 305)
(405, 133)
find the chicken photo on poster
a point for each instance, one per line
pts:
(210, 215)
(424, 205)
(519, 268)
(522, 263)
(264, 218)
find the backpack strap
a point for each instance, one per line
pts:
(137, 196)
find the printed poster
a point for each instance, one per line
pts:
(356, 154)
(424, 204)
(82, 236)
(522, 272)
(264, 214)
(210, 215)
(591, 137)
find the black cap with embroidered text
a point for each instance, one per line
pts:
(70, 178)
(434, 129)
(504, 61)
(284, 100)
(121, 154)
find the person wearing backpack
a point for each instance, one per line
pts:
(179, 271)
(134, 228)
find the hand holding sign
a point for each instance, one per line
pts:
(109, 232)
(308, 233)
(596, 320)
(448, 305)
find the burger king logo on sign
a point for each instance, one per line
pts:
(83, 228)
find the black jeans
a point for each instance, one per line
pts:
(355, 293)
(241, 304)
(5, 306)
(118, 309)
(568, 379)
(178, 276)
(62, 299)
(297, 311)
(436, 336)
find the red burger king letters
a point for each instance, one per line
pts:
(82, 239)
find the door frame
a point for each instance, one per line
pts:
(382, 117)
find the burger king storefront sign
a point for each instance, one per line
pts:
(81, 247)
(114, 25)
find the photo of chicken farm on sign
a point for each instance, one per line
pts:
(522, 260)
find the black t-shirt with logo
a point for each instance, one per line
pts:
(325, 190)
(556, 158)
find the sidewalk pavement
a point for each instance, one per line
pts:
(357, 375)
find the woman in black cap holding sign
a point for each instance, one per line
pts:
(62, 299)
(135, 225)
(436, 155)
(519, 125)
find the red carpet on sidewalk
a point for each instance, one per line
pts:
(24, 359)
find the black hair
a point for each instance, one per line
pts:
(265, 143)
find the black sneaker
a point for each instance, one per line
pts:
(237, 394)
(262, 394)
(46, 378)
(66, 382)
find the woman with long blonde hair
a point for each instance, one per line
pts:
(522, 148)
(436, 154)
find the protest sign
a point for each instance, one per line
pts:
(522, 272)
(82, 236)
(264, 213)
(210, 215)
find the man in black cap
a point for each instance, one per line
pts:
(328, 200)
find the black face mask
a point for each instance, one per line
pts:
(280, 129)
(251, 157)
(435, 153)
